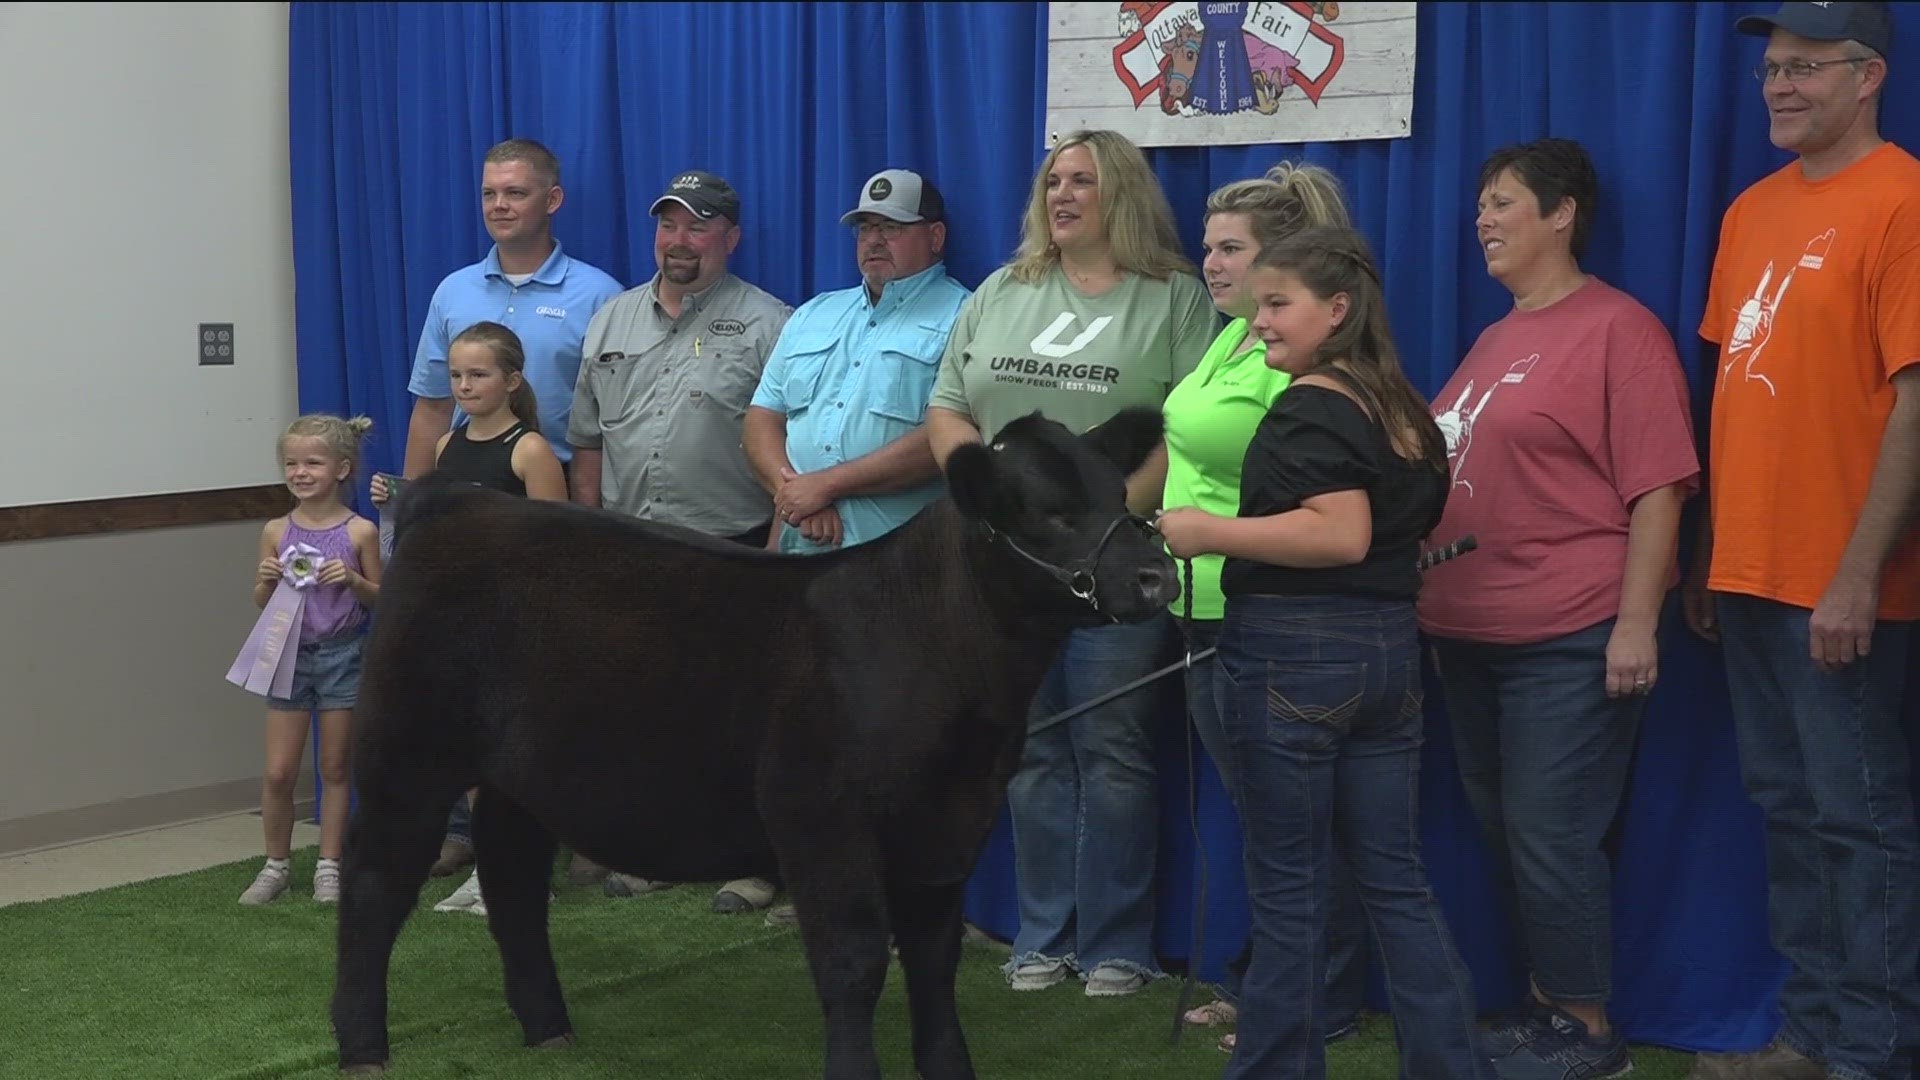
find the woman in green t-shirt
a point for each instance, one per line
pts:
(1210, 417)
(1098, 309)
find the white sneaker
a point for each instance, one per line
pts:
(268, 885)
(465, 898)
(1037, 974)
(326, 883)
(1112, 980)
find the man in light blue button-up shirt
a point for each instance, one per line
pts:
(526, 283)
(834, 431)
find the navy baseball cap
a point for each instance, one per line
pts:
(1869, 24)
(703, 193)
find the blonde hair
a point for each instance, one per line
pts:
(1138, 220)
(341, 436)
(511, 355)
(1287, 199)
(1331, 261)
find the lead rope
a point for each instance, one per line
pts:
(1193, 810)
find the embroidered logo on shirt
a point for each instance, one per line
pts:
(551, 312)
(727, 327)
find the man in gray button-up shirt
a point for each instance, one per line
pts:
(666, 374)
(659, 411)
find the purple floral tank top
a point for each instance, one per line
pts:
(330, 610)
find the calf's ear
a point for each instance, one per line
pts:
(1127, 437)
(972, 481)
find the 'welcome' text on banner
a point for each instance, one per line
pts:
(1213, 73)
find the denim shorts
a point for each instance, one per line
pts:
(326, 675)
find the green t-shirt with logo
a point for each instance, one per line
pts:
(1045, 345)
(1211, 416)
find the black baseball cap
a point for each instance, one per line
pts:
(1869, 24)
(703, 193)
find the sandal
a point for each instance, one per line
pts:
(1215, 1013)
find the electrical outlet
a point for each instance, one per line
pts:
(216, 343)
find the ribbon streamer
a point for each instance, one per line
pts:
(265, 664)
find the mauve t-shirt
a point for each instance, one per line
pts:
(1557, 420)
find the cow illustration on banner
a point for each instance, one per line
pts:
(1215, 73)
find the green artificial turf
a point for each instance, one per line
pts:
(173, 978)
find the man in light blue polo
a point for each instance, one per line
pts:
(526, 282)
(545, 296)
(834, 430)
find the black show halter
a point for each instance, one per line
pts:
(1078, 575)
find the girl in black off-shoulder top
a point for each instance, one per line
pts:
(1317, 440)
(1320, 666)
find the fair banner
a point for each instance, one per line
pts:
(1214, 74)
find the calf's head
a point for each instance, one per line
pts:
(1054, 507)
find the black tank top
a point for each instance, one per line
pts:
(487, 462)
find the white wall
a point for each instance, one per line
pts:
(144, 184)
(145, 187)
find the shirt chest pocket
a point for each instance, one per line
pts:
(911, 361)
(727, 380)
(806, 363)
(612, 378)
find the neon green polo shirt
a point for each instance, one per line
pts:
(1210, 418)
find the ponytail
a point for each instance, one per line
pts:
(1286, 200)
(525, 406)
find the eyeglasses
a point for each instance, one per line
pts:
(888, 230)
(1800, 70)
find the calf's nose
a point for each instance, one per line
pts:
(1158, 584)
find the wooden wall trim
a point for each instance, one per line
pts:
(94, 517)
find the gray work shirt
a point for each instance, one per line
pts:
(665, 401)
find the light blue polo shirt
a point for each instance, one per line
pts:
(549, 312)
(852, 376)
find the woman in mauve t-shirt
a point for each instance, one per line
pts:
(1571, 450)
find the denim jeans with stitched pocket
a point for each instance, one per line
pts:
(1825, 757)
(1207, 698)
(1323, 729)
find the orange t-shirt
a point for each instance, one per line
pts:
(1815, 303)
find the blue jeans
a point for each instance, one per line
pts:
(460, 821)
(1544, 755)
(1085, 806)
(1207, 699)
(1825, 758)
(1322, 733)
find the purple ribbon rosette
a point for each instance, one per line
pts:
(265, 663)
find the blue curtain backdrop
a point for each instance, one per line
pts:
(392, 106)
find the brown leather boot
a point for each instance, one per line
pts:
(454, 854)
(1777, 1061)
(585, 872)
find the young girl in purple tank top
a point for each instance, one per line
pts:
(317, 455)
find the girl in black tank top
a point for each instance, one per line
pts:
(486, 368)
(487, 462)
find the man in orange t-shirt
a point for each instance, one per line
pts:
(1810, 569)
